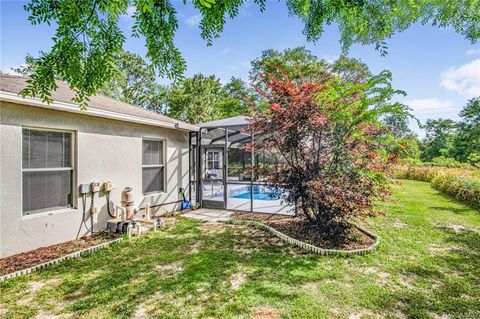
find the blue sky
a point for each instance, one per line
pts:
(438, 68)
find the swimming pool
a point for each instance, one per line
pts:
(259, 193)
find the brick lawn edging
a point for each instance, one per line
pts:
(312, 248)
(76, 254)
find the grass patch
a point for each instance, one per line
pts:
(422, 269)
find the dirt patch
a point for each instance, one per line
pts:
(382, 277)
(168, 222)
(44, 254)
(237, 280)
(265, 313)
(34, 287)
(171, 269)
(311, 286)
(195, 248)
(399, 224)
(299, 228)
(212, 227)
(259, 216)
(140, 313)
(438, 250)
(49, 315)
(362, 315)
(249, 240)
(455, 228)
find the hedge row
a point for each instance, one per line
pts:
(465, 189)
(462, 184)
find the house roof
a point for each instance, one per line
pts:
(240, 120)
(99, 105)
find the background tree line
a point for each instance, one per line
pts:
(203, 98)
(195, 100)
(451, 143)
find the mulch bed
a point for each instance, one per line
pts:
(43, 254)
(299, 228)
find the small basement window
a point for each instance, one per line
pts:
(153, 170)
(47, 170)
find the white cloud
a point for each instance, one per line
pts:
(430, 104)
(9, 69)
(193, 20)
(225, 51)
(464, 80)
(473, 52)
(330, 58)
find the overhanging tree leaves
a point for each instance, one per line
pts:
(87, 35)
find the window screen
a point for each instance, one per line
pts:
(153, 172)
(47, 170)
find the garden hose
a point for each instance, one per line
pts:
(84, 202)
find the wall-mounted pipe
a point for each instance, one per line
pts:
(160, 205)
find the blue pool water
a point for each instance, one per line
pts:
(259, 193)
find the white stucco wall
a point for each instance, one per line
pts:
(105, 150)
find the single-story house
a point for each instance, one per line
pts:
(53, 155)
(47, 152)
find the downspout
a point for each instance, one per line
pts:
(199, 171)
(252, 159)
(225, 169)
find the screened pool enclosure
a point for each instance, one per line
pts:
(221, 174)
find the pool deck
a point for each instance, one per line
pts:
(215, 215)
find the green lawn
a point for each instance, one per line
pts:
(193, 270)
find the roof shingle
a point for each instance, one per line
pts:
(14, 84)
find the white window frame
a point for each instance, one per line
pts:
(49, 210)
(164, 160)
(213, 159)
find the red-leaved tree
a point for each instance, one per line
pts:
(330, 143)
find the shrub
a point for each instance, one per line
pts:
(330, 144)
(462, 184)
(463, 188)
(474, 159)
(419, 173)
(448, 162)
(398, 171)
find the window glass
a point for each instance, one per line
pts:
(47, 170)
(213, 160)
(153, 179)
(43, 190)
(152, 152)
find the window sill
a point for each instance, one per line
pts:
(154, 193)
(49, 213)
